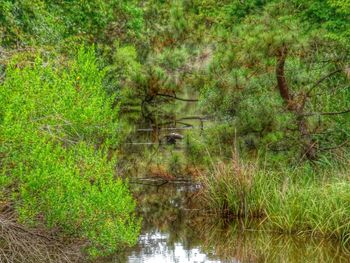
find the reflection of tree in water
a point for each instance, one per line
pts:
(163, 209)
(166, 222)
(169, 221)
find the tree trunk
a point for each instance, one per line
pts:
(281, 78)
(293, 106)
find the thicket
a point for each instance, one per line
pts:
(57, 126)
(60, 127)
(46, 23)
(280, 78)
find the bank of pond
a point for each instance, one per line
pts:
(175, 230)
(235, 213)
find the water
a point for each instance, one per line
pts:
(156, 248)
(175, 231)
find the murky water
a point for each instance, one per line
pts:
(174, 231)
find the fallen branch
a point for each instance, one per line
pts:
(160, 181)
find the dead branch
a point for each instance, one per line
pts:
(327, 113)
(175, 97)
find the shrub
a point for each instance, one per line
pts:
(56, 128)
(49, 22)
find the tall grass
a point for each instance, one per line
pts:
(318, 208)
(296, 201)
(236, 188)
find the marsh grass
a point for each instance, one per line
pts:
(234, 188)
(296, 201)
(319, 208)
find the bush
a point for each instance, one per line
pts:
(48, 22)
(56, 129)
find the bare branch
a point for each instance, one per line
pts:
(21, 244)
(327, 113)
(335, 147)
(176, 98)
(323, 79)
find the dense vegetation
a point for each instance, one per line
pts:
(77, 78)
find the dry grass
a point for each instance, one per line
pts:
(159, 171)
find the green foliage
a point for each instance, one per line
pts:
(46, 21)
(322, 208)
(61, 118)
(194, 149)
(57, 126)
(332, 16)
(241, 86)
(177, 21)
(126, 64)
(174, 165)
(237, 189)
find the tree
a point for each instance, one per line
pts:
(275, 48)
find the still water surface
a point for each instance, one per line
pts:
(174, 231)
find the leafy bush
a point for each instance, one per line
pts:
(46, 21)
(56, 129)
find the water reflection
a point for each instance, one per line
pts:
(173, 231)
(155, 248)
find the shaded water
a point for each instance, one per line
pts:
(174, 231)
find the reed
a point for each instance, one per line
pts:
(298, 201)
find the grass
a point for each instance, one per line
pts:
(298, 201)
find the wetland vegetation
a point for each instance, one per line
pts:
(177, 131)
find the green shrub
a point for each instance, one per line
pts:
(56, 129)
(47, 22)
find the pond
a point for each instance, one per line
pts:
(175, 231)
